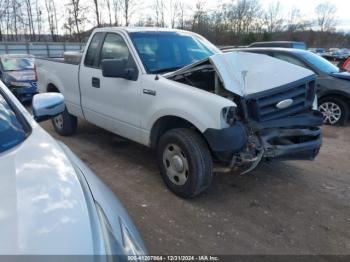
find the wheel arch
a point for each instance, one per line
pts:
(52, 88)
(167, 123)
(338, 94)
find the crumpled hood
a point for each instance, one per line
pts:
(26, 75)
(247, 73)
(42, 206)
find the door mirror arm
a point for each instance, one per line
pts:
(132, 74)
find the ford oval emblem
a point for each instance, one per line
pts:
(285, 104)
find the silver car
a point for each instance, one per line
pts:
(50, 202)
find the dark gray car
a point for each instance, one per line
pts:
(333, 84)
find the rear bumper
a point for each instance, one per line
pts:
(24, 93)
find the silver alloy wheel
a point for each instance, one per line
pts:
(176, 164)
(331, 112)
(58, 120)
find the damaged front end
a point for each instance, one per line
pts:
(281, 122)
(263, 130)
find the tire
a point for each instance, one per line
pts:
(335, 111)
(65, 124)
(185, 162)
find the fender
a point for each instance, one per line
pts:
(199, 107)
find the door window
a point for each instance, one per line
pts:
(114, 47)
(92, 54)
(289, 59)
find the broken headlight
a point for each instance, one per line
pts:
(229, 115)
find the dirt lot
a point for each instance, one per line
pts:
(281, 208)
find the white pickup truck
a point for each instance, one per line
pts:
(175, 92)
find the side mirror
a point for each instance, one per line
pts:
(47, 105)
(118, 68)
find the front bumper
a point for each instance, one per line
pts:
(298, 137)
(289, 144)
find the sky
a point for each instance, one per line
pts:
(307, 8)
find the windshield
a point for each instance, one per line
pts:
(17, 64)
(163, 52)
(12, 131)
(320, 63)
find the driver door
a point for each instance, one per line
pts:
(111, 103)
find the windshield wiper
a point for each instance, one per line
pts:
(165, 70)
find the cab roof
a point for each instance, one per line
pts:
(279, 49)
(139, 29)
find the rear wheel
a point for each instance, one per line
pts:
(185, 162)
(335, 111)
(65, 124)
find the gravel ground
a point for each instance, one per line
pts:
(292, 207)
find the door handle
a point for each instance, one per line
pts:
(149, 92)
(95, 82)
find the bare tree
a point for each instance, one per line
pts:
(159, 8)
(51, 18)
(146, 22)
(295, 21)
(29, 4)
(326, 16)
(244, 16)
(182, 13)
(128, 7)
(174, 8)
(97, 12)
(116, 9)
(38, 20)
(199, 16)
(77, 12)
(273, 17)
(69, 25)
(15, 8)
(3, 6)
(108, 4)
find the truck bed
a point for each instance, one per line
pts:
(65, 76)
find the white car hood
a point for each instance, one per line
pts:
(42, 205)
(246, 73)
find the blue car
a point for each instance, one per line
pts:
(18, 74)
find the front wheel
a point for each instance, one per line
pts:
(335, 111)
(65, 124)
(185, 162)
